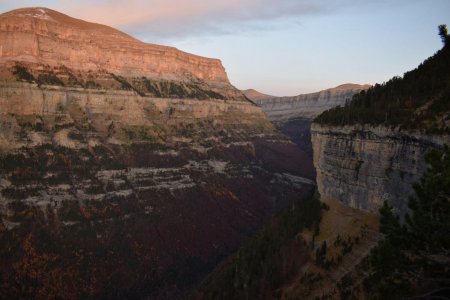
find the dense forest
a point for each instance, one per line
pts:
(259, 268)
(418, 100)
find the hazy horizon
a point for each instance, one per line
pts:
(280, 48)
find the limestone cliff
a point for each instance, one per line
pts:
(372, 149)
(41, 35)
(169, 185)
(127, 170)
(308, 105)
(102, 108)
(362, 166)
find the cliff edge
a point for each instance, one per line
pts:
(307, 106)
(45, 36)
(372, 149)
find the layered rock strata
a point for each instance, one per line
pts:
(307, 105)
(363, 166)
(101, 109)
(127, 170)
(41, 35)
(148, 191)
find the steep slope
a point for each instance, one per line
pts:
(371, 150)
(129, 177)
(416, 101)
(288, 259)
(308, 105)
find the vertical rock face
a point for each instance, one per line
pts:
(41, 35)
(364, 166)
(307, 105)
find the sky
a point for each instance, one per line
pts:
(280, 47)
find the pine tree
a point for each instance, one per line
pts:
(413, 258)
(443, 33)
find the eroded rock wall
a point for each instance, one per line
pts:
(138, 185)
(41, 35)
(308, 105)
(363, 166)
(101, 109)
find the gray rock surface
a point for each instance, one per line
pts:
(363, 166)
(307, 105)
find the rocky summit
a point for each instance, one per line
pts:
(254, 95)
(45, 36)
(127, 170)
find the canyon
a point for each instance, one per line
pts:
(131, 170)
(381, 159)
(127, 170)
(293, 116)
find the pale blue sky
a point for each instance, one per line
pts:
(280, 47)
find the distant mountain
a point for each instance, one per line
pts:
(254, 95)
(308, 105)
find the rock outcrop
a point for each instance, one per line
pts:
(373, 149)
(308, 105)
(41, 35)
(363, 166)
(101, 108)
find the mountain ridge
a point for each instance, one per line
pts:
(418, 100)
(381, 136)
(344, 86)
(281, 109)
(58, 17)
(253, 94)
(41, 30)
